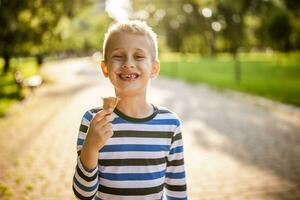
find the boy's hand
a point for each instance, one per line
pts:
(100, 129)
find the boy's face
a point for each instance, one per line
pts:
(130, 64)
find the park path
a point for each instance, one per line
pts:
(234, 148)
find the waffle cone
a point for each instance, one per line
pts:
(110, 102)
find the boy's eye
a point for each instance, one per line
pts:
(117, 56)
(139, 57)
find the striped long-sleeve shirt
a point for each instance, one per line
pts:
(142, 160)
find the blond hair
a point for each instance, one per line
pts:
(134, 27)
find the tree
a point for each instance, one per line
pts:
(24, 24)
(279, 30)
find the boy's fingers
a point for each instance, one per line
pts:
(99, 115)
(107, 127)
(104, 120)
(109, 133)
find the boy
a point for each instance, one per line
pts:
(134, 151)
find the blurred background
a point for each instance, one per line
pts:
(229, 68)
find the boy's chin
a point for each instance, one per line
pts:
(130, 92)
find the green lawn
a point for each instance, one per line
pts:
(8, 88)
(275, 76)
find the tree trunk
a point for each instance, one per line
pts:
(237, 68)
(6, 63)
(40, 60)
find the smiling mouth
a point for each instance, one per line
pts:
(128, 77)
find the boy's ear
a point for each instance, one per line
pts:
(155, 69)
(104, 68)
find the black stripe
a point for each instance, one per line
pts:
(175, 188)
(175, 163)
(131, 191)
(146, 134)
(95, 110)
(136, 120)
(86, 178)
(178, 136)
(83, 128)
(79, 196)
(131, 162)
(79, 152)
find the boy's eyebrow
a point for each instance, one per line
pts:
(139, 49)
(116, 49)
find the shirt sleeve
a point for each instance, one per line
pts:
(85, 183)
(175, 181)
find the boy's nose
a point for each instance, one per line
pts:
(128, 64)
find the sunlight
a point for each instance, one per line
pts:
(118, 9)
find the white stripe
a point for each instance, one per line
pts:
(84, 193)
(132, 154)
(85, 122)
(134, 169)
(132, 184)
(175, 169)
(177, 143)
(166, 116)
(143, 127)
(82, 135)
(176, 156)
(79, 147)
(159, 107)
(117, 197)
(178, 130)
(181, 194)
(84, 182)
(138, 140)
(170, 181)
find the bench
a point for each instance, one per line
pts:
(31, 82)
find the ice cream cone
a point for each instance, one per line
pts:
(110, 102)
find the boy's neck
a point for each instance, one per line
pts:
(135, 107)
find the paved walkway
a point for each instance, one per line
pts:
(234, 149)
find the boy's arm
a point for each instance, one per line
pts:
(85, 181)
(175, 182)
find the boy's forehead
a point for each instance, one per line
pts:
(128, 41)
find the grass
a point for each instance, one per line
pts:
(8, 89)
(274, 76)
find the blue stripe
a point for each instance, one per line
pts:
(119, 120)
(175, 198)
(134, 147)
(80, 141)
(88, 116)
(176, 150)
(85, 188)
(175, 175)
(133, 176)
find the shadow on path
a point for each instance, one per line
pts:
(249, 133)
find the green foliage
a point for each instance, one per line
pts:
(194, 44)
(24, 23)
(27, 26)
(279, 30)
(8, 89)
(83, 33)
(240, 24)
